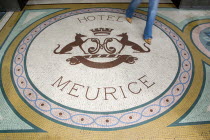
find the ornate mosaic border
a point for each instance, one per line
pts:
(100, 121)
(196, 38)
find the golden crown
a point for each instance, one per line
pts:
(101, 31)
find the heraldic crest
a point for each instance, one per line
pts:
(93, 52)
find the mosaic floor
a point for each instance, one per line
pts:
(80, 71)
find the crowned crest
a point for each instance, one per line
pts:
(101, 31)
(91, 52)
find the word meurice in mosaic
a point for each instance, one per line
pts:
(109, 93)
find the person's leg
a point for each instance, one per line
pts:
(153, 7)
(132, 7)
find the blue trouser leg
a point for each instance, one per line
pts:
(152, 11)
(132, 7)
(153, 6)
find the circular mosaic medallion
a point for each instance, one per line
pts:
(90, 68)
(201, 38)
